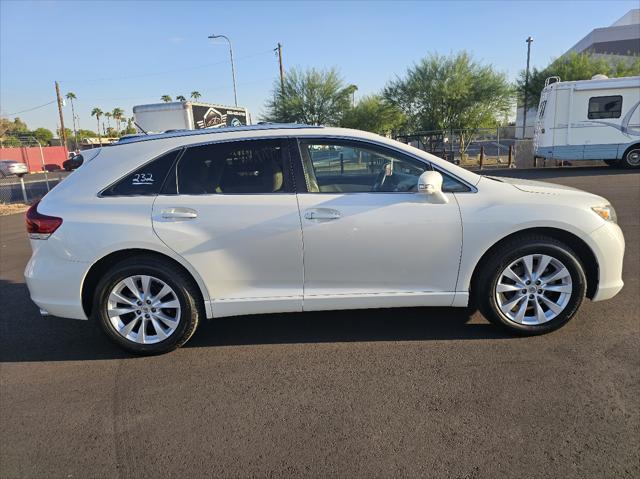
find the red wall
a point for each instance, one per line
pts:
(53, 156)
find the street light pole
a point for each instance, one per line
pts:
(233, 68)
(529, 40)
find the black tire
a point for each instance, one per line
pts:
(484, 285)
(612, 163)
(20, 175)
(631, 157)
(184, 287)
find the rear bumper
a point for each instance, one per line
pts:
(608, 246)
(55, 283)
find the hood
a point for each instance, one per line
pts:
(530, 186)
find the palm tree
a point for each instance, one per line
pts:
(117, 115)
(195, 95)
(165, 98)
(72, 96)
(180, 98)
(97, 112)
(108, 116)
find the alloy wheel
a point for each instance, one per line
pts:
(143, 309)
(534, 289)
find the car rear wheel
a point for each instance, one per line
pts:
(147, 307)
(531, 285)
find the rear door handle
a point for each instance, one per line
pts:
(322, 214)
(179, 213)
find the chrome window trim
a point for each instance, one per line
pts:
(100, 193)
(472, 188)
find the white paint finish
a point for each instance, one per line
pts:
(54, 282)
(389, 299)
(237, 307)
(246, 251)
(607, 243)
(510, 205)
(243, 246)
(381, 242)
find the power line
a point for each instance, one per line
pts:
(164, 72)
(31, 109)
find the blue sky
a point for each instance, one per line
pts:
(120, 54)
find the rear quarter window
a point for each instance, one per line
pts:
(147, 180)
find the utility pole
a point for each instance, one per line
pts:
(529, 40)
(279, 50)
(63, 133)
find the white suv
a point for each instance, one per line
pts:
(157, 233)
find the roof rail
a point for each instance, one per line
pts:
(210, 131)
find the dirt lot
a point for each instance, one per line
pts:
(387, 393)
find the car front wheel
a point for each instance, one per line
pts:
(147, 307)
(532, 285)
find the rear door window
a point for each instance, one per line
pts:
(238, 167)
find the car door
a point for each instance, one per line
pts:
(230, 210)
(370, 240)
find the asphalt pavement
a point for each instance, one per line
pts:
(421, 392)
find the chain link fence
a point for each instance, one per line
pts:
(28, 188)
(43, 176)
(479, 148)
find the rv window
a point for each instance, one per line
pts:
(605, 107)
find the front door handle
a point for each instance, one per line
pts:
(322, 214)
(179, 213)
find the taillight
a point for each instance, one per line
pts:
(40, 226)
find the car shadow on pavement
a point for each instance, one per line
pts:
(26, 336)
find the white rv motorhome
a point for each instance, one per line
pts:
(597, 119)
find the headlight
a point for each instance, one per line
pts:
(606, 212)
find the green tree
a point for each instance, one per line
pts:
(108, 116)
(165, 98)
(131, 129)
(10, 142)
(575, 66)
(86, 134)
(313, 97)
(72, 96)
(373, 113)
(117, 116)
(451, 92)
(43, 135)
(181, 98)
(97, 112)
(15, 127)
(195, 95)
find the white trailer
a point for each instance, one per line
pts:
(187, 115)
(597, 119)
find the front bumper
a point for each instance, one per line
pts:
(607, 243)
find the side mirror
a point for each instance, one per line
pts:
(430, 185)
